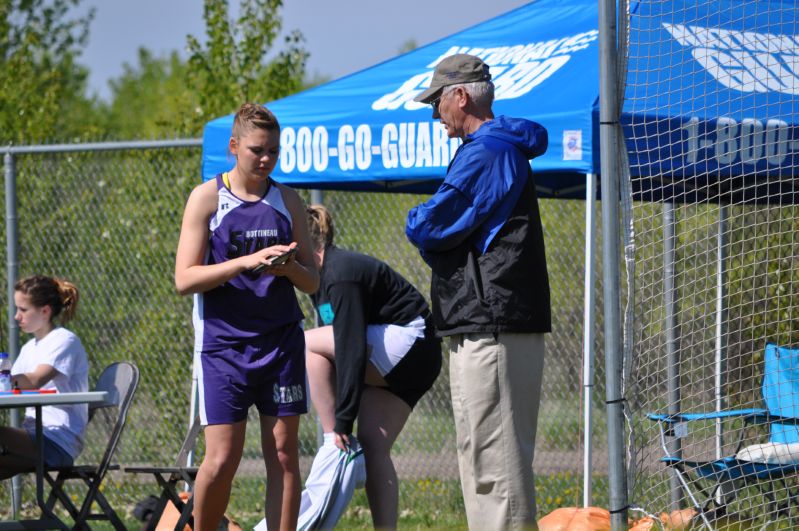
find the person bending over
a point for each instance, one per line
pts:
(373, 359)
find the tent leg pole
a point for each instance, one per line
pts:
(588, 335)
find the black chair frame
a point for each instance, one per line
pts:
(168, 478)
(119, 380)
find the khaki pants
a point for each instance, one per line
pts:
(495, 382)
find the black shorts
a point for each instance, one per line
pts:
(415, 374)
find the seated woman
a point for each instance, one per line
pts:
(373, 360)
(53, 359)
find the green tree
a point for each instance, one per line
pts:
(151, 99)
(232, 67)
(41, 86)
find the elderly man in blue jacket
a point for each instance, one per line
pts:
(481, 235)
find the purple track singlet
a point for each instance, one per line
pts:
(249, 305)
(248, 339)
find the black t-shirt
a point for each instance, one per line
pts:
(357, 290)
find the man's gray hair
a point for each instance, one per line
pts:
(481, 92)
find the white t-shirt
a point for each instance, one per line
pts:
(62, 424)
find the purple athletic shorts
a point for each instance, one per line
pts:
(269, 374)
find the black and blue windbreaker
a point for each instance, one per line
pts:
(481, 234)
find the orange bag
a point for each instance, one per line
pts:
(171, 516)
(598, 519)
(673, 521)
(678, 520)
(576, 519)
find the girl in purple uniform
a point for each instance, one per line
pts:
(249, 343)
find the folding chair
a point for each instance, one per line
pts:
(762, 465)
(119, 380)
(168, 478)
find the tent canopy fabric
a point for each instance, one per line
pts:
(364, 132)
(712, 100)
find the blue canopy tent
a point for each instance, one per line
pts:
(712, 98)
(364, 132)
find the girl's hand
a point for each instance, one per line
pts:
(265, 257)
(343, 442)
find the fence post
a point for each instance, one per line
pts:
(609, 138)
(12, 266)
(672, 328)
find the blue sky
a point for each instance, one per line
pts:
(342, 36)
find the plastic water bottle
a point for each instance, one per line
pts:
(5, 372)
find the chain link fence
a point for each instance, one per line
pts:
(712, 118)
(717, 337)
(108, 219)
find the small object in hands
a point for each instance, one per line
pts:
(276, 260)
(283, 258)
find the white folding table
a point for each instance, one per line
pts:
(48, 519)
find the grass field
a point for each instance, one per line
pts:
(424, 504)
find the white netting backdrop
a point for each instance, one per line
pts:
(711, 110)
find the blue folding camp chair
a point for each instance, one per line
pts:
(763, 465)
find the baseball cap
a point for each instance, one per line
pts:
(453, 70)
